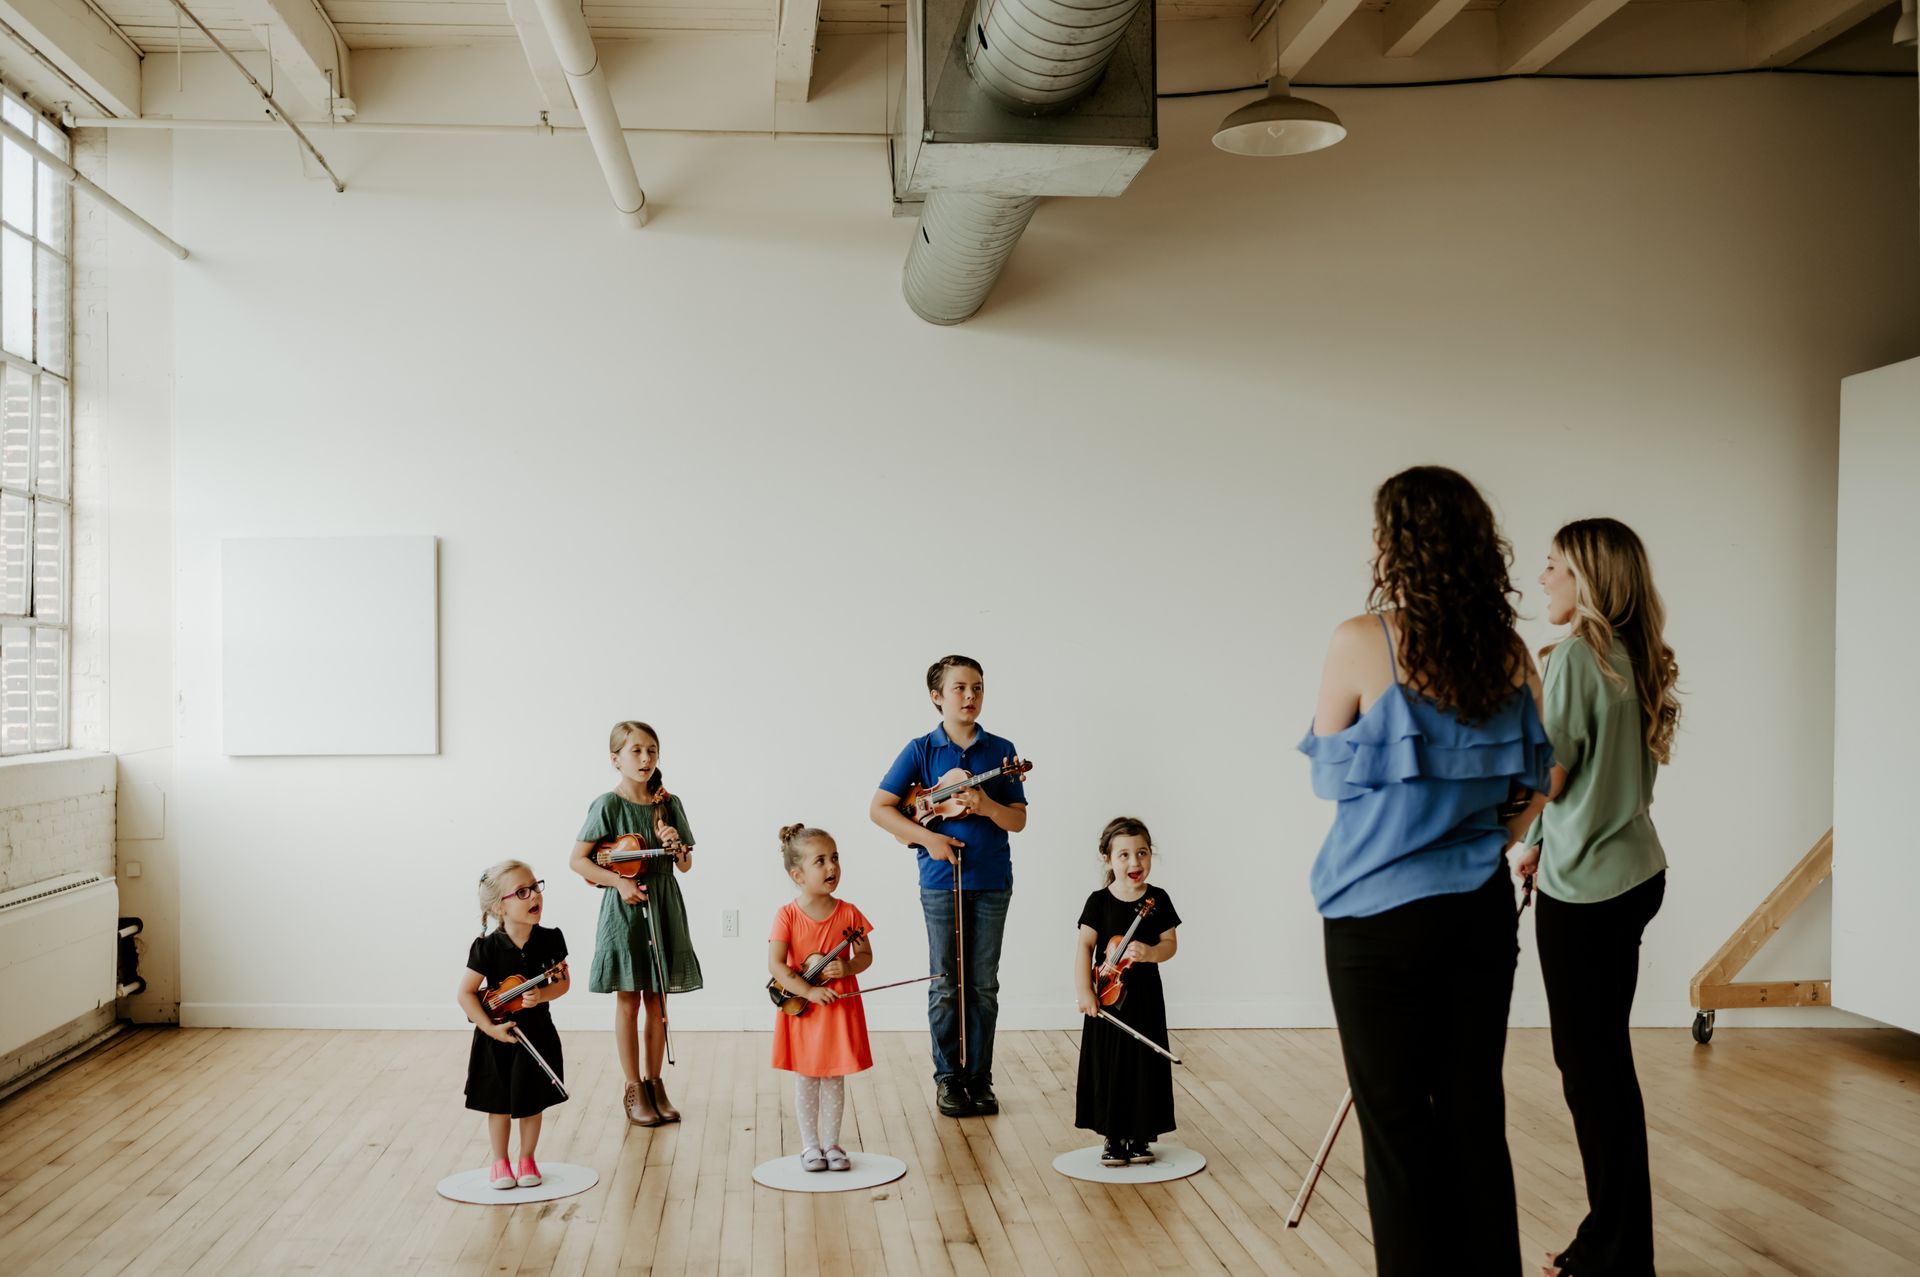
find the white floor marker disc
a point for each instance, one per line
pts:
(1171, 1161)
(558, 1179)
(870, 1170)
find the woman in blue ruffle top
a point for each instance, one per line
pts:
(1428, 739)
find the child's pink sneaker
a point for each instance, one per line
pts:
(529, 1173)
(502, 1175)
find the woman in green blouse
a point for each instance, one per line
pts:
(1610, 710)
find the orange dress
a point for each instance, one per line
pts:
(828, 1041)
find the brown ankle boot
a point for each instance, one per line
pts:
(639, 1105)
(657, 1091)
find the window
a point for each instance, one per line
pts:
(36, 404)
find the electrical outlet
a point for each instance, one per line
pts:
(729, 923)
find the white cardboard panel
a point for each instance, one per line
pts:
(1876, 849)
(330, 645)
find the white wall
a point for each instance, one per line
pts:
(123, 418)
(715, 474)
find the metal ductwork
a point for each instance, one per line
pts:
(1009, 101)
(976, 235)
(1035, 56)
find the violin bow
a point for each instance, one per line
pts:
(960, 954)
(1319, 1161)
(539, 1059)
(660, 831)
(1305, 1195)
(892, 984)
(1136, 1034)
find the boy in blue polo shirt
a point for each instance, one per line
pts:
(957, 686)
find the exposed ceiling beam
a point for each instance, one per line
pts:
(85, 48)
(1783, 31)
(1411, 23)
(1300, 28)
(793, 50)
(307, 51)
(1535, 32)
(548, 77)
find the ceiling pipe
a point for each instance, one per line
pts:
(273, 108)
(74, 177)
(566, 24)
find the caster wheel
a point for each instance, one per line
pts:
(1703, 1027)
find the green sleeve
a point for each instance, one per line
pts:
(599, 822)
(1570, 696)
(680, 822)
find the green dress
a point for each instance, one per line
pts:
(622, 942)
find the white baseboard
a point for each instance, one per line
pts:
(594, 1011)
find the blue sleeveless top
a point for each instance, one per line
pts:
(1418, 793)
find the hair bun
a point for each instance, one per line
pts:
(787, 832)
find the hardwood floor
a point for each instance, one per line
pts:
(1775, 1151)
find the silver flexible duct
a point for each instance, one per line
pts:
(1035, 56)
(1029, 57)
(959, 250)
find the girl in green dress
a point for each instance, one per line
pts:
(626, 961)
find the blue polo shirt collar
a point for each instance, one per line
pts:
(940, 736)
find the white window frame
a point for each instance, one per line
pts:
(42, 735)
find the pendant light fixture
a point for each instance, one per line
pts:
(1279, 124)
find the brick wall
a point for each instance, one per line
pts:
(87, 661)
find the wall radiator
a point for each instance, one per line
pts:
(59, 942)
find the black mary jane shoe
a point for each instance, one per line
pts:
(1561, 1264)
(951, 1099)
(980, 1094)
(1114, 1153)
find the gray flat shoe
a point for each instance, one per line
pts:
(837, 1159)
(812, 1159)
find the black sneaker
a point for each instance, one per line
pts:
(980, 1094)
(951, 1099)
(1138, 1152)
(1114, 1153)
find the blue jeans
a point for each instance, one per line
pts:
(986, 923)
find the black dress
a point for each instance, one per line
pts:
(501, 1076)
(1126, 1091)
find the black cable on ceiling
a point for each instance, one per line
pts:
(1566, 75)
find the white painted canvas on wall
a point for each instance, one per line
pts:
(330, 645)
(1876, 853)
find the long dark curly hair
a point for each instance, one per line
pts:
(1443, 564)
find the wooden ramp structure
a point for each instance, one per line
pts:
(1714, 986)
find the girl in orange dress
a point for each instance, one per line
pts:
(829, 1040)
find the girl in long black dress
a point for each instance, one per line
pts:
(1126, 1090)
(503, 1081)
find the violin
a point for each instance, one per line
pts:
(796, 1004)
(1109, 971)
(628, 855)
(509, 997)
(940, 802)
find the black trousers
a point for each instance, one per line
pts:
(1421, 995)
(1590, 956)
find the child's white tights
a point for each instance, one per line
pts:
(819, 1102)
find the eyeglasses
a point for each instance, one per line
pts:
(527, 892)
